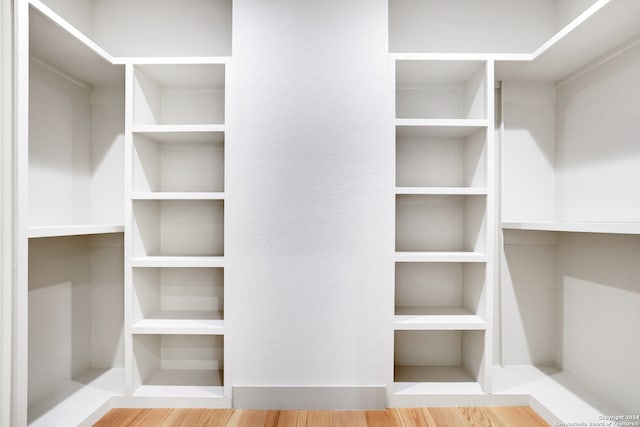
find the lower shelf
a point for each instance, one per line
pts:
(556, 391)
(435, 380)
(78, 399)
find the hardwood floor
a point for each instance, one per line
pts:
(504, 416)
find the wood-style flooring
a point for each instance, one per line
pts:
(508, 416)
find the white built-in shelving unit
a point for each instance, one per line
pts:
(443, 240)
(177, 229)
(566, 128)
(121, 168)
(516, 195)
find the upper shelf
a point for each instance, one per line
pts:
(601, 28)
(58, 44)
(576, 227)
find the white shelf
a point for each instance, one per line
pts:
(601, 28)
(172, 60)
(160, 195)
(170, 382)
(577, 227)
(471, 124)
(178, 261)
(554, 390)
(158, 130)
(448, 191)
(437, 318)
(440, 257)
(176, 391)
(77, 400)
(434, 380)
(60, 45)
(73, 230)
(182, 326)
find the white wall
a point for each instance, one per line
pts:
(470, 25)
(597, 150)
(310, 184)
(528, 151)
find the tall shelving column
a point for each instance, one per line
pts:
(175, 231)
(444, 222)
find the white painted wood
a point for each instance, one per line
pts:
(73, 230)
(445, 287)
(557, 392)
(19, 381)
(178, 326)
(440, 223)
(75, 151)
(528, 151)
(77, 400)
(178, 360)
(8, 186)
(179, 94)
(159, 129)
(326, 397)
(436, 318)
(178, 228)
(444, 191)
(415, 350)
(178, 261)
(603, 26)
(58, 43)
(441, 380)
(178, 162)
(440, 257)
(180, 396)
(441, 157)
(577, 227)
(440, 90)
(445, 123)
(75, 316)
(162, 195)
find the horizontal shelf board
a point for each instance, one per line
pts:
(59, 44)
(190, 381)
(171, 60)
(601, 28)
(160, 195)
(216, 392)
(164, 129)
(73, 230)
(437, 318)
(577, 227)
(206, 137)
(463, 191)
(474, 124)
(427, 132)
(78, 399)
(553, 389)
(440, 257)
(179, 326)
(434, 380)
(454, 56)
(178, 261)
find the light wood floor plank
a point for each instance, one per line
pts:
(520, 416)
(349, 419)
(516, 415)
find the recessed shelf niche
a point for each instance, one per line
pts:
(178, 228)
(179, 94)
(441, 89)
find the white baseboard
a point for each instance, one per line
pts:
(307, 397)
